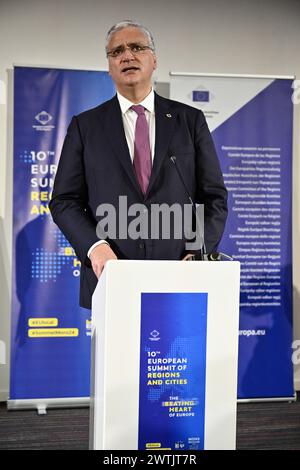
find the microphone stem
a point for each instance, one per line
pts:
(194, 208)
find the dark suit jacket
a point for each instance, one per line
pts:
(95, 168)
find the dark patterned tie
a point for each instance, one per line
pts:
(142, 153)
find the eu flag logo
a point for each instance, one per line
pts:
(201, 95)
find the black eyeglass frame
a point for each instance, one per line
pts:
(134, 49)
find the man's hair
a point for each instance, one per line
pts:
(130, 24)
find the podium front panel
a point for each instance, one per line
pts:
(165, 344)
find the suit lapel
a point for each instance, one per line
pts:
(114, 129)
(165, 121)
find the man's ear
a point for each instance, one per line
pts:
(155, 62)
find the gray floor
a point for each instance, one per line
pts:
(259, 426)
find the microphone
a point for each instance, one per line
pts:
(201, 254)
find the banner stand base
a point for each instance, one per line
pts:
(42, 404)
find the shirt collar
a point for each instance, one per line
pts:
(147, 102)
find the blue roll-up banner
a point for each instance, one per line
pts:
(50, 335)
(251, 120)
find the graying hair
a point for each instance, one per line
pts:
(129, 24)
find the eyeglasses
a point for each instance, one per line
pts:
(134, 48)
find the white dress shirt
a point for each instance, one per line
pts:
(129, 118)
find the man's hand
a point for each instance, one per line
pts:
(188, 257)
(99, 256)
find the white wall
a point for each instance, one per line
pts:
(246, 36)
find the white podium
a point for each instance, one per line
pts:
(164, 356)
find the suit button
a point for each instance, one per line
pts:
(142, 246)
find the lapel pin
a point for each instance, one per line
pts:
(169, 115)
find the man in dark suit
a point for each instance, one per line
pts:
(124, 148)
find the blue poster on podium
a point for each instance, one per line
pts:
(172, 371)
